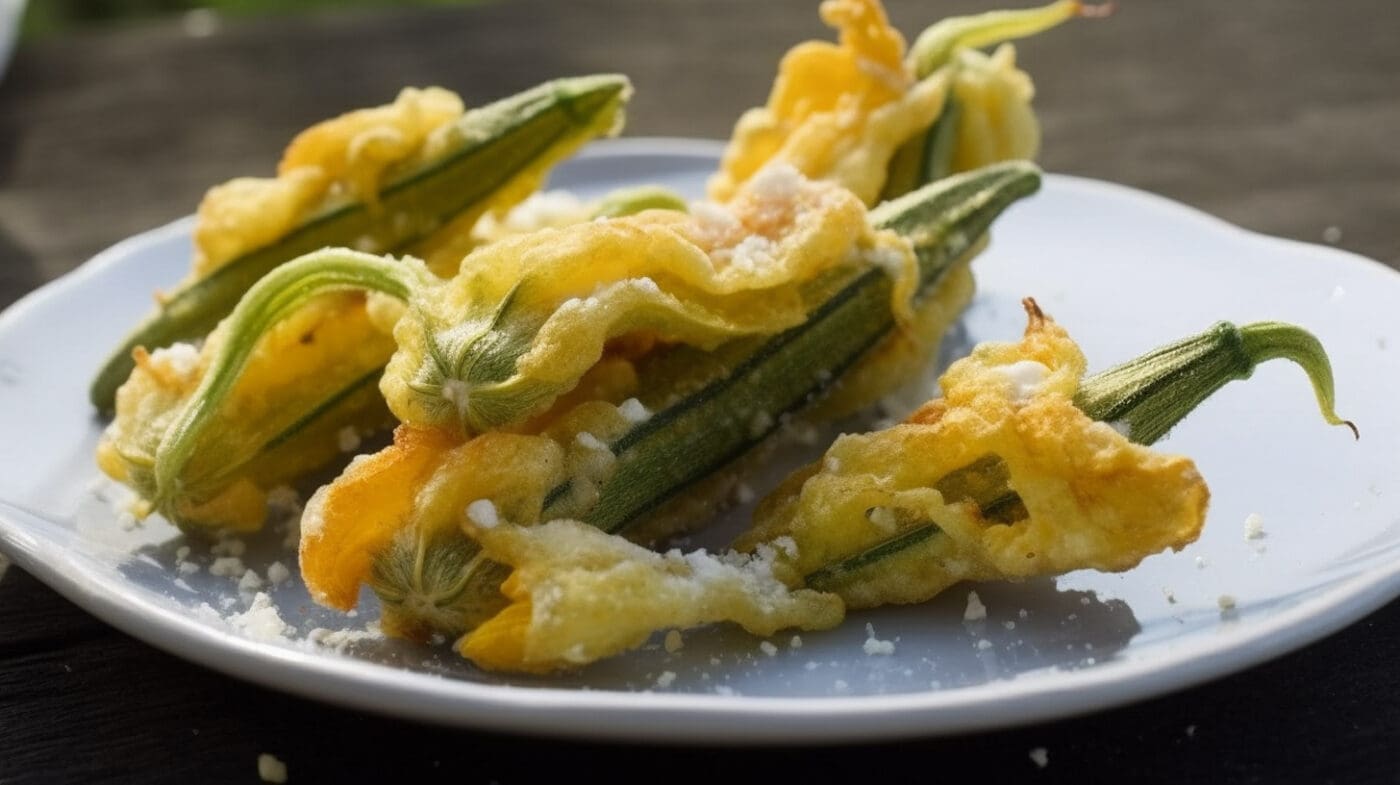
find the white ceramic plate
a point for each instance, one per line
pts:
(1123, 270)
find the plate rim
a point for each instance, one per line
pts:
(704, 719)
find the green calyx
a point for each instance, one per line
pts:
(275, 297)
(1152, 393)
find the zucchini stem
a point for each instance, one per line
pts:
(935, 46)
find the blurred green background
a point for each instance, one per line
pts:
(46, 17)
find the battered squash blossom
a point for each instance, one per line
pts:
(417, 173)
(882, 121)
(1005, 477)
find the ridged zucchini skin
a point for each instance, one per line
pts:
(763, 384)
(497, 141)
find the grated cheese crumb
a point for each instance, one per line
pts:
(776, 182)
(633, 411)
(873, 645)
(347, 439)
(1226, 602)
(483, 513)
(1041, 757)
(883, 519)
(1254, 526)
(261, 622)
(796, 642)
(227, 567)
(179, 359)
(666, 679)
(674, 642)
(270, 769)
(250, 582)
(768, 648)
(339, 640)
(1200, 562)
(277, 572)
(590, 442)
(983, 644)
(976, 611)
(1025, 377)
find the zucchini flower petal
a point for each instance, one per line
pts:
(393, 520)
(529, 315)
(343, 156)
(578, 595)
(836, 112)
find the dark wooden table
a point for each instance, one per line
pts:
(1278, 116)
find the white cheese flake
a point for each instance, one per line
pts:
(874, 646)
(277, 573)
(178, 359)
(674, 642)
(768, 648)
(482, 512)
(227, 567)
(796, 642)
(633, 411)
(1226, 602)
(1254, 526)
(261, 622)
(250, 582)
(1040, 757)
(590, 442)
(1025, 377)
(777, 182)
(975, 611)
